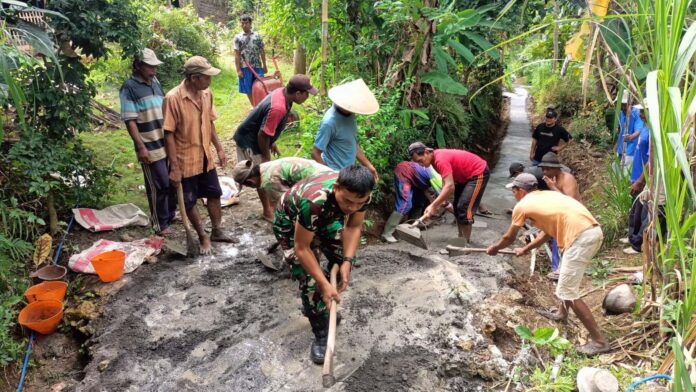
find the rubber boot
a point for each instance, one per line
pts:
(320, 328)
(390, 226)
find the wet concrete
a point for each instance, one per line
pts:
(411, 317)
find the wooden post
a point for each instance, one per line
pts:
(556, 33)
(324, 42)
(299, 63)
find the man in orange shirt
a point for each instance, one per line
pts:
(189, 129)
(577, 232)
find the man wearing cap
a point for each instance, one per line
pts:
(577, 232)
(336, 141)
(556, 179)
(141, 109)
(415, 186)
(257, 134)
(464, 174)
(324, 212)
(276, 177)
(189, 126)
(629, 131)
(249, 50)
(548, 136)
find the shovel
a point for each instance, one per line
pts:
(327, 377)
(266, 260)
(410, 233)
(192, 246)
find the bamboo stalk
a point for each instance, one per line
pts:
(324, 43)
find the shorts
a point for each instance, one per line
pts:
(247, 153)
(574, 262)
(247, 79)
(199, 186)
(467, 197)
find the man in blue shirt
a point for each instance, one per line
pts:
(336, 142)
(629, 130)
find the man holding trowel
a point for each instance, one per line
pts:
(189, 127)
(323, 212)
(578, 234)
(464, 175)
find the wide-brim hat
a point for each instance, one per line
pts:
(550, 159)
(354, 97)
(242, 171)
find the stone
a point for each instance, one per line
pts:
(620, 299)
(103, 365)
(596, 380)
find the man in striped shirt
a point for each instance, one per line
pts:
(141, 109)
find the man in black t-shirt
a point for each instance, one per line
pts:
(548, 136)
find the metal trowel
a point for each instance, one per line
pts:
(411, 233)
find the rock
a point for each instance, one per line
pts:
(620, 299)
(596, 380)
(466, 344)
(103, 365)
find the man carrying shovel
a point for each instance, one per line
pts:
(323, 212)
(464, 174)
(189, 126)
(577, 232)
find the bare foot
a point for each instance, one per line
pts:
(217, 235)
(205, 246)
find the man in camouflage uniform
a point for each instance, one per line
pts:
(323, 212)
(276, 177)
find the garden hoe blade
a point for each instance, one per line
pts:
(411, 233)
(266, 257)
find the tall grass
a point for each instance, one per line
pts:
(664, 42)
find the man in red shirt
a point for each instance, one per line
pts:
(464, 174)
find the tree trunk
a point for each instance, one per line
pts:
(556, 49)
(52, 214)
(299, 60)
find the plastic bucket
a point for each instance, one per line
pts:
(54, 290)
(50, 272)
(109, 265)
(42, 316)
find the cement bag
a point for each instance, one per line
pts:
(110, 218)
(136, 252)
(230, 193)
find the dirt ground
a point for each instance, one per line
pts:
(413, 319)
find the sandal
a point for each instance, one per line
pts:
(553, 276)
(484, 213)
(591, 349)
(552, 314)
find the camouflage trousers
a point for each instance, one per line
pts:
(330, 245)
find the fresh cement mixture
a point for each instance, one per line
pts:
(413, 319)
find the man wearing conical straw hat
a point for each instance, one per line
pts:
(336, 142)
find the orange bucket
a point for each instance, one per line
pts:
(109, 265)
(42, 316)
(47, 290)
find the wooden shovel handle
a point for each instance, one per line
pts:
(483, 250)
(182, 208)
(327, 372)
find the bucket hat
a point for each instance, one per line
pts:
(354, 97)
(550, 159)
(242, 171)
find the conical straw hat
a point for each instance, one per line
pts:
(354, 97)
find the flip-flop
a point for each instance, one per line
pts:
(551, 315)
(484, 213)
(591, 349)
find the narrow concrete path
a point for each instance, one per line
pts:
(515, 148)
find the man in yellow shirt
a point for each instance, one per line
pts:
(578, 234)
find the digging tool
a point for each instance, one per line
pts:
(327, 377)
(266, 260)
(477, 250)
(192, 246)
(411, 233)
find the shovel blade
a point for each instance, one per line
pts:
(177, 247)
(267, 261)
(412, 235)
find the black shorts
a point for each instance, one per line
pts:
(201, 185)
(467, 197)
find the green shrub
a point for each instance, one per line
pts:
(563, 93)
(591, 126)
(612, 204)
